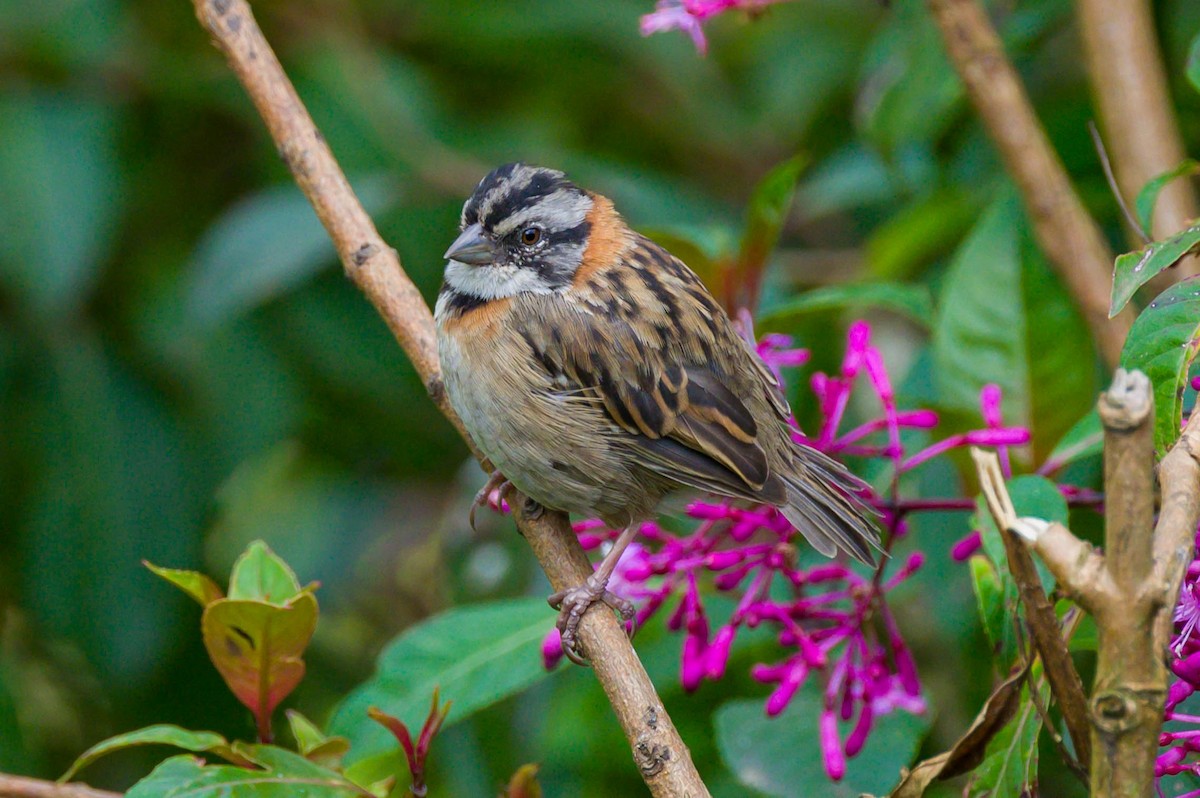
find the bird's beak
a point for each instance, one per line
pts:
(473, 247)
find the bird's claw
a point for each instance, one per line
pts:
(496, 486)
(574, 602)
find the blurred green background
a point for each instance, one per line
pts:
(183, 368)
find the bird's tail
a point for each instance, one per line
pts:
(823, 505)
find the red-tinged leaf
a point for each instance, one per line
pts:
(194, 583)
(399, 731)
(261, 575)
(524, 783)
(257, 648)
(161, 734)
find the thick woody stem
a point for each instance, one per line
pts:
(1065, 684)
(1133, 98)
(1131, 676)
(663, 759)
(1064, 230)
(21, 787)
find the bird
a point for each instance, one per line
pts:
(599, 376)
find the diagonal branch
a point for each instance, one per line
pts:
(21, 787)
(1064, 230)
(662, 757)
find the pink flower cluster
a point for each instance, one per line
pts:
(834, 620)
(1180, 745)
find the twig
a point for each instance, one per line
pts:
(1134, 101)
(21, 787)
(1115, 188)
(1064, 230)
(662, 758)
(1044, 628)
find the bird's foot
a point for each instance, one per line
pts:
(491, 495)
(574, 602)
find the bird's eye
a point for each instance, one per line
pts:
(531, 235)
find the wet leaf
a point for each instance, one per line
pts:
(1135, 269)
(162, 734)
(1163, 343)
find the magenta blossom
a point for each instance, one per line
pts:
(689, 16)
(831, 622)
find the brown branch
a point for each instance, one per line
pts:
(1133, 97)
(1043, 624)
(661, 756)
(1064, 230)
(21, 787)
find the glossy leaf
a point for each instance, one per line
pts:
(1162, 344)
(1085, 439)
(259, 574)
(476, 655)
(194, 583)
(265, 245)
(1135, 269)
(258, 647)
(1148, 196)
(283, 774)
(162, 734)
(776, 755)
(910, 301)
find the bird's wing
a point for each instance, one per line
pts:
(647, 340)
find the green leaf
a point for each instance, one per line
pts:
(768, 210)
(777, 755)
(1135, 269)
(59, 168)
(194, 583)
(1010, 764)
(313, 744)
(477, 655)
(1192, 70)
(258, 648)
(1085, 439)
(996, 596)
(1004, 318)
(160, 734)
(901, 247)
(1032, 495)
(1148, 196)
(261, 575)
(264, 246)
(283, 775)
(909, 300)
(1162, 344)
